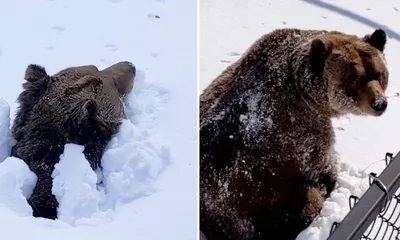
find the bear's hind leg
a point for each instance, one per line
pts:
(294, 218)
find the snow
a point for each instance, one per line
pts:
(5, 133)
(148, 186)
(229, 27)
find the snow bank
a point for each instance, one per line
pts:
(350, 182)
(5, 134)
(75, 186)
(16, 184)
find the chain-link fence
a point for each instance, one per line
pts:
(376, 215)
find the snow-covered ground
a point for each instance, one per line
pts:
(149, 186)
(229, 27)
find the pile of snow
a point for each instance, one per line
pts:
(74, 185)
(350, 182)
(16, 185)
(5, 133)
(228, 28)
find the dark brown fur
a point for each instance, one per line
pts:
(266, 139)
(80, 105)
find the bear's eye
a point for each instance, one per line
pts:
(377, 76)
(362, 79)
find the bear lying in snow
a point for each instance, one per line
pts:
(266, 138)
(80, 105)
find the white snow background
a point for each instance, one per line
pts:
(229, 27)
(150, 167)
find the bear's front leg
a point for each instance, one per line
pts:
(44, 204)
(93, 152)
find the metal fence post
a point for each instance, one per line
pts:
(373, 205)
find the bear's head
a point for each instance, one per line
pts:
(354, 70)
(95, 99)
(122, 75)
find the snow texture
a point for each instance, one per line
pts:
(5, 133)
(229, 27)
(148, 186)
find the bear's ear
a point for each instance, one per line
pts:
(35, 72)
(89, 109)
(318, 47)
(377, 39)
(319, 52)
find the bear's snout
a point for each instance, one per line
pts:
(121, 69)
(376, 96)
(133, 67)
(379, 105)
(122, 74)
(125, 66)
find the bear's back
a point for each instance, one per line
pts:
(256, 100)
(258, 137)
(268, 59)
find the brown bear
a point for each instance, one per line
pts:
(266, 138)
(80, 105)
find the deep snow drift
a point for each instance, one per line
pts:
(229, 27)
(148, 185)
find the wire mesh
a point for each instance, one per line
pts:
(386, 225)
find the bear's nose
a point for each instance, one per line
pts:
(379, 105)
(133, 67)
